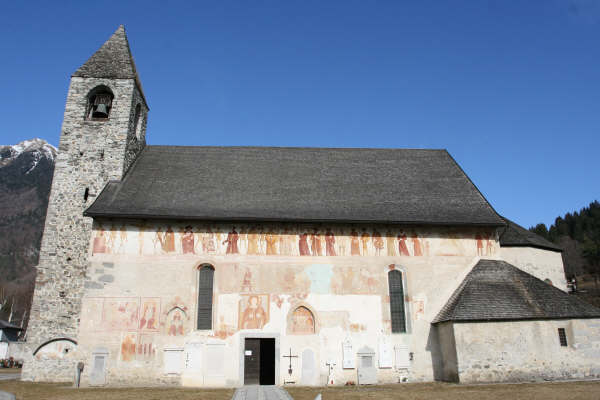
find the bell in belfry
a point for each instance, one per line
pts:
(101, 111)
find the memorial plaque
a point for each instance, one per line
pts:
(367, 372)
(193, 357)
(349, 360)
(98, 373)
(173, 360)
(402, 356)
(309, 368)
(386, 356)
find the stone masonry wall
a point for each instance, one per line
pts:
(527, 350)
(90, 154)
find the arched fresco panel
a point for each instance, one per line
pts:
(302, 322)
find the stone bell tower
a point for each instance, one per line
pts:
(104, 129)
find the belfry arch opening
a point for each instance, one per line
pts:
(100, 101)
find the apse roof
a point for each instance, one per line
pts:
(498, 291)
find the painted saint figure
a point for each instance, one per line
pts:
(303, 244)
(489, 248)
(315, 243)
(330, 243)
(285, 244)
(122, 238)
(187, 240)
(208, 242)
(247, 282)
(354, 243)
(99, 241)
(253, 236)
(128, 347)
(389, 237)
(479, 240)
(148, 320)
(364, 238)
(232, 239)
(377, 242)
(111, 241)
(169, 241)
(402, 248)
(176, 326)
(141, 229)
(417, 251)
(271, 240)
(254, 316)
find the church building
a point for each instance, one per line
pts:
(224, 266)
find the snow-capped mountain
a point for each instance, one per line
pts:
(26, 171)
(38, 148)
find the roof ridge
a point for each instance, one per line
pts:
(291, 147)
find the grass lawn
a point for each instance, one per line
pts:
(47, 391)
(413, 391)
(446, 391)
(10, 370)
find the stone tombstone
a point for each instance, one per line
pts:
(349, 360)
(193, 357)
(402, 356)
(386, 355)
(309, 368)
(214, 359)
(367, 372)
(173, 360)
(98, 371)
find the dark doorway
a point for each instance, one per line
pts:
(259, 361)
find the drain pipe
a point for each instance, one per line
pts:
(79, 371)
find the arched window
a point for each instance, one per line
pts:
(397, 301)
(137, 126)
(99, 103)
(205, 296)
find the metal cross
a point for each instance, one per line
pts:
(290, 358)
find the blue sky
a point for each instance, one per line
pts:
(510, 88)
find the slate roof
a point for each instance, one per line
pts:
(498, 291)
(296, 184)
(113, 60)
(514, 235)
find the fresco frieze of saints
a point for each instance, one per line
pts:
(249, 240)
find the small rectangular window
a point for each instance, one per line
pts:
(562, 336)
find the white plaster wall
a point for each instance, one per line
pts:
(130, 266)
(543, 264)
(527, 350)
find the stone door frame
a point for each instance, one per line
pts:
(258, 335)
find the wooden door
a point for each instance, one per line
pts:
(252, 362)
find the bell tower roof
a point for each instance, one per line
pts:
(113, 60)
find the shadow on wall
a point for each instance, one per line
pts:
(442, 347)
(435, 349)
